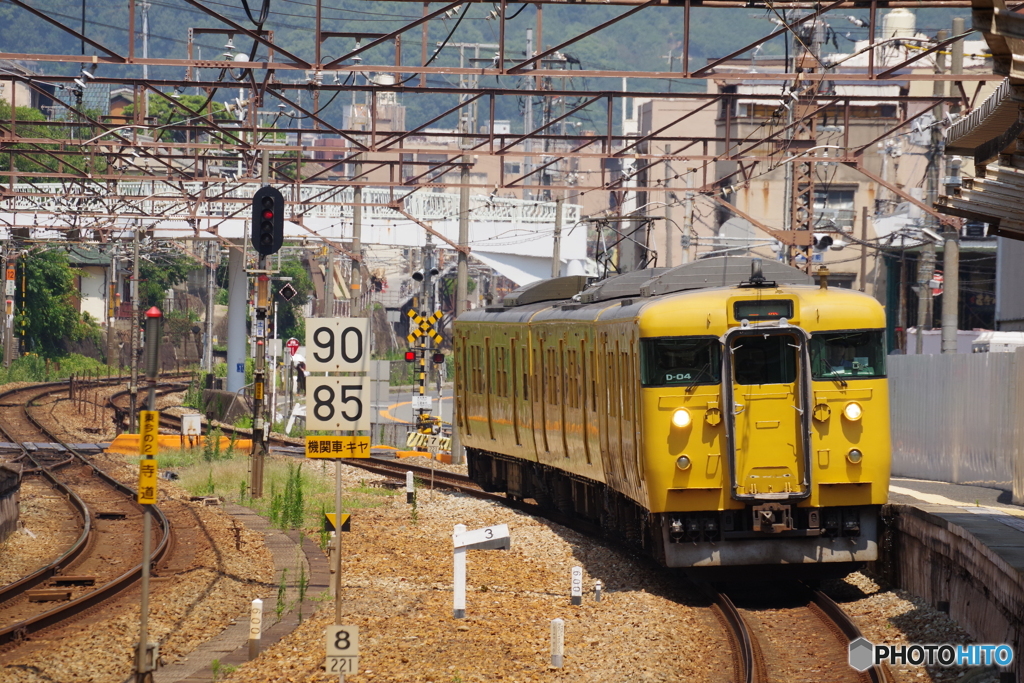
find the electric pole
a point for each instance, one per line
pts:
(951, 249)
(926, 266)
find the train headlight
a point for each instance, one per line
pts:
(855, 456)
(683, 462)
(681, 418)
(853, 411)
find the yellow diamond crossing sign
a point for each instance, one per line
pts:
(424, 326)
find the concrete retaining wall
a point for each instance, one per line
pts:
(10, 485)
(933, 557)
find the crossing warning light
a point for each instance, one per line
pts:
(438, 358)
(267, 220)
(410, 355)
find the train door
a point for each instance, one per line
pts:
(768, 432)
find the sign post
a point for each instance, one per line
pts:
(342, 650)
(255, 628)
(489, 538)
(148, 445)
(292, 345)
(338, 404)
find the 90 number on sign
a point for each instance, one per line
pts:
(338, 403)
(337, 344)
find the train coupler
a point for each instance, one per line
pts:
(772, 518)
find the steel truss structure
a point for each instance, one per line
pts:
(89, 156)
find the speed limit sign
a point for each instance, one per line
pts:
(338, 403)
(337, 344)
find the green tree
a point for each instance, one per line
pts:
(47, 316)
(180, 112)
(289, 313)
(160, 271)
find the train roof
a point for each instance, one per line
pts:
(718, 271)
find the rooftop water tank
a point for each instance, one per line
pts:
(899, 23)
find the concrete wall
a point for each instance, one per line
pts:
(956, 418)
(952, 567)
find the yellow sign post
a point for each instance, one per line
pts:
(147, 482)
(149, 430)
(149, 443)
(337, 447)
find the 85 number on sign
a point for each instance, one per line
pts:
(338, 403)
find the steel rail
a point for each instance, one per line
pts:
(738, 632)
(15, 632)
(877, 674)
(43, 574)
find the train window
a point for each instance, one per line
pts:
(765, 359)
(680, 361)
(852, 354)
(758, 309)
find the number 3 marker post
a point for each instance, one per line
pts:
(488, 538)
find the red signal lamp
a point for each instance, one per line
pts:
(438, 358)
(410, 355)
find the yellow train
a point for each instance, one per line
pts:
(717, 413)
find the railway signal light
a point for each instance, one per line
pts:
(419, 274)
(438, 358)
(267, 220)
(410, 355)
(153, 320)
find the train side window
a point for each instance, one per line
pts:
(680, 361)
(767, 359)
(850, 354)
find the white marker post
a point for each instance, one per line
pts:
(459, 605)
(557, 642)
(410, 490)
(597, 591)
(576, 588)
(255, 628)
(489, 538)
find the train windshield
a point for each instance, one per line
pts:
(680, 361)
(853, 354)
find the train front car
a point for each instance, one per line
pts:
(765, 426)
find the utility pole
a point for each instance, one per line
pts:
(356, 281)
(133, 386)
(926, 265)
(461, 293)
(212, 261)
(556, 255)
(10, 283)
(951, 249)
(531, 83)
(669, 225)
(112, 310)
(145, 55)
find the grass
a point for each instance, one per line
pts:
(227, 476)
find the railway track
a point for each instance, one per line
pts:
(789, 632)
(102, 563)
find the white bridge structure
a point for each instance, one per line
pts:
(513, 236)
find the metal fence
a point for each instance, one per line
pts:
(955, 418)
